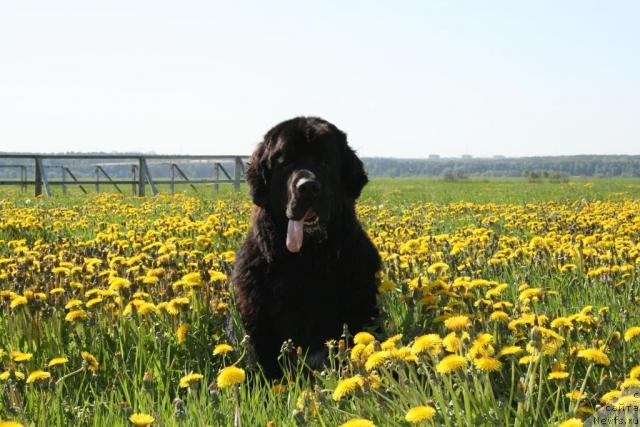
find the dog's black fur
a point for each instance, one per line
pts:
(305, 296)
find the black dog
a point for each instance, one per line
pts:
(306, 267)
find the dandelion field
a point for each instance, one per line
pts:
(504, 303)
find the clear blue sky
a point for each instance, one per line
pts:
(403, 79)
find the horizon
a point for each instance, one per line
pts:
(428, 157)
(403, 81)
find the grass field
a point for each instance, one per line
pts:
(505, 303)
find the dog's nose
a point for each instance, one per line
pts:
(308, 187)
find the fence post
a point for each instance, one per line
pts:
(173, 178)
(134, 168)
(236, 174)
(41, 178)
(23, 178)
(216, 186)
(149, 178)
(141, 176)
(38, 178)
(64, 180)
(97, 180)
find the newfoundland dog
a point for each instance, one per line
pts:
(306, 267)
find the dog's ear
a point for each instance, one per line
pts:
(353, 175)
(257, 176)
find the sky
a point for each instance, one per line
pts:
(402, 79)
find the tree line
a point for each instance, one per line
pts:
(583, 165)
(554, 166)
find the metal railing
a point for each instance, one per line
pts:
(141, 176)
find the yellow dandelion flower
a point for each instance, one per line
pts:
(57, 361)
(483, 339)
(576, 395)
(635, 373)
(141, 420)
(631, 333)
(117, 283)
(558, 375)
(91, 360)
(456, 323)
(586, 410)
(192, 279)
(609, 396)
(18, 356)
(358, 422)
(525, 360)
(386, 286)
(510, 351)
(452, 343)
(437, 268)
(376, 359)
(93, 301)
(150, 280)
(171, 307)
(391, 342)
(6, 374)
(451, 363)
(420, 413)
(143, 308)
(38, 376)
(73, 303)
(189, 379)
(628, 403)
(75, 314)
(530, 293)
(595, 356)
(363, 338)
(561, 322)
(222, 348)
(347, 386)
(571, 422)
(402, 353)
(488, 364)
(18, 301)
(229, 376)
(568, 268)
(181, 333)
(629, 382)
(358, 352)
(10, 424)
(499, 316)
(429, 342)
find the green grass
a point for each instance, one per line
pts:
(435, 190)
(141, 360)
(497, 190)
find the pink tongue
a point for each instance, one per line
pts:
(295, 232)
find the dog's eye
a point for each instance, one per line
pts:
(282, 162)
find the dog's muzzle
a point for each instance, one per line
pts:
(304, 190)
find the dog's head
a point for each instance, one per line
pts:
(303, 174)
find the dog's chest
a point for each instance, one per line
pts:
(301, 297)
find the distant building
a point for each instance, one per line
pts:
(434, 156)
(499, 156)
(467, 156)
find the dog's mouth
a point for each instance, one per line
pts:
(296, 228)
(310, 218)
